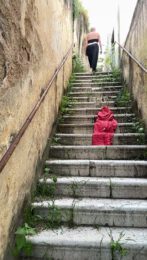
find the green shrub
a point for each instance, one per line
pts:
(77, 64)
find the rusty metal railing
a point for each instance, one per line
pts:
(21, 132)
(132, 57)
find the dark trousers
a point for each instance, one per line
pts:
(92, 52)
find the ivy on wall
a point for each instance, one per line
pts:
(79, 10)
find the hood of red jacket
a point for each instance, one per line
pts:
(105, 114)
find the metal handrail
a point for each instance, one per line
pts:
(132, 57)
(21, 132)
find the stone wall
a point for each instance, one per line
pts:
(136, 44)
(34, 37)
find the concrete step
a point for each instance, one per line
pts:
(97, 74)
(93, 87)
(93, 93)
(88, 128)
(98, 168)
(96, 187)
(91, 104)
(94, 99)
(83, 104)
(114, 152)
(85, 243)
(97, 84)
(101, 212)
(95, 80)
(86, 139)
(87, 119)
(91, 77)
(95, 110)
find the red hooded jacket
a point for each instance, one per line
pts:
(104, 127)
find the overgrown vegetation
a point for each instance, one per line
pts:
(47, 189)
(54, 218)
(110, 64)
(71, 215)
(65, 104)
(124, 98)
(138, 126)
(55, 140)
(22, 245)
(77, 64)
(116, 74)
(79, 10)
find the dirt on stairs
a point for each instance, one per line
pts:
(91, 202)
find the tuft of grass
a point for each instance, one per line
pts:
(117, 246)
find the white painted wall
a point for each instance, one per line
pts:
(126, 10)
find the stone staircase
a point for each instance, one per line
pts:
(96, 193)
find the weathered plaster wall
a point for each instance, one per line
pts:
(34, 37)
(80, 31)
(123, 11)
(136, 44)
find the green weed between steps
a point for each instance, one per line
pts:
(106, 79)
(71, 215)
(77, 64)
(65, 104)
(55, 140)
(117, 248)
(54, 218)
(116, 74)
(76, 188)
(138, 126)
(47, 189)
(21, 243)
(123, 98)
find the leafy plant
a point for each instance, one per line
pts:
(21, 243)
(46, 170)
(139, 126)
